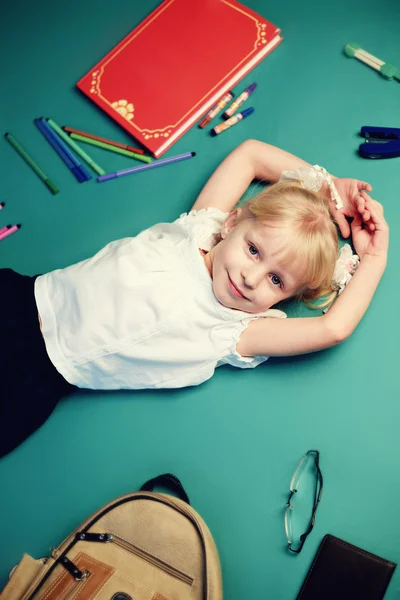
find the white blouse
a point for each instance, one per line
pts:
(142, 313)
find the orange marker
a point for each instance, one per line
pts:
(232, 121)
(239, 101)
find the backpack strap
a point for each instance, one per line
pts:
(169, 481)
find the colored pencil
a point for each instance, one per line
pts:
(86, 140)
(9, 231)
(75, 147)
(53, 143)
(81, 169)
(3, 229)
(105, 140)
(17, 146)
(158, 163)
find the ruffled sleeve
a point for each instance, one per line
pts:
(204, 226)
(235, 359)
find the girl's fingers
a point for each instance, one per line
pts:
(372, 202)
(343, 225)
(366, 216)
(364, 185)
(356, 223)
(376, 212)
(360, 204)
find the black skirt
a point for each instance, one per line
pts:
(30, 385)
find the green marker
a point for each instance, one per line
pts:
(75, 147)
(82, 138)
(53, 188)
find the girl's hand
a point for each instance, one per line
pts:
(350, 191)
(372, 237)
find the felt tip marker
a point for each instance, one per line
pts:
(153, 165)
(239, 101)
(217, 108)
(232, 121)
(9, 231)
(23, 154)
(2, 205)
(40, 124)
(101, 139)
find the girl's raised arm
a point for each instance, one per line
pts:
(258, 160)
(284, 337)
(251, 160)
(288, 337)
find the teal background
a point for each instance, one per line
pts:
(235, 440)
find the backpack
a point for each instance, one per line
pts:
(141, 546)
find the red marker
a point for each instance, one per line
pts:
(217, 108)
(101, 139)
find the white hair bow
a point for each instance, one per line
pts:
(312, 178)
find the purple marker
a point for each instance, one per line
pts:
(153, 165)
(239, 100)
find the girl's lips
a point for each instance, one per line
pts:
(235, 290)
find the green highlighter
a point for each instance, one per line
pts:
(387, 70)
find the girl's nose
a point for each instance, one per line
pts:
(252, 277)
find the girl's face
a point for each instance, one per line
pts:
(245, 267)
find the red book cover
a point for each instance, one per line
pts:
(174, 66)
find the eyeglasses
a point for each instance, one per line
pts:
(310, 460)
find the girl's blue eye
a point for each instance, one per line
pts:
(253, 250)
(276, 280)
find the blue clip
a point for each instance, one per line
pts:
(382, 142)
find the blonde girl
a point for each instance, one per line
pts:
(163, 309)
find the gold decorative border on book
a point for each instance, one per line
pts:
(260, 40)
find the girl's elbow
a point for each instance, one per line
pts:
(248, 146)
(337, 332)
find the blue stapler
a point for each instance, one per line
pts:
(381, 142)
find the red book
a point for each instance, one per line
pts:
(174, 66)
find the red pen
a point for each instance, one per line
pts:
(101, 139)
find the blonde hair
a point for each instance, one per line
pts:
(315, 237)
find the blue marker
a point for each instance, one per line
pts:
(61, 144)
(79, 176)
(232, 121)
